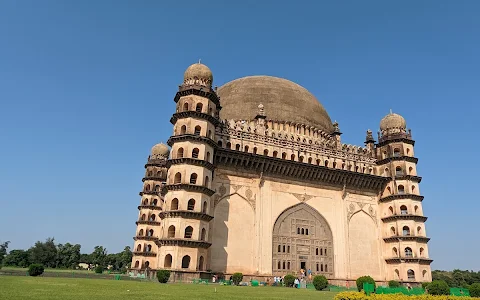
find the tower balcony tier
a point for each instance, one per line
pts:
(405, 259)
(157, 193)
(186, 214)
(145, 238)
(281, 168)
(145, 222)
(194, 114)
(396, 138)
(397, 238)
(156, 163)
(405, 217)
(190, 188)
(183, 243)
(413, 178)
(155, 178)
(397, 158)
(198, 90)
(152, 207)
(191, 161)
(144, 253)
(191, 138)
(401, 196)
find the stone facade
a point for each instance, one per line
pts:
(268, 197)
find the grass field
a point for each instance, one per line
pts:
(39, 288)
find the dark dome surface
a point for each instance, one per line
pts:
(283, 100)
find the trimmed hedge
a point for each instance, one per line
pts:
(474, 290)
(98, 269)
(365, 279)
(393, 284)
(35, 269)
(438, 287)
(237, 278)
(163, 276)
(362, 296)
(289, 280)
(320, 282)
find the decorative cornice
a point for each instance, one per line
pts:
(142, 253)
(405, 217)
(191, 137)
(152, 207)
(419, 239)
(145, 238)
(397, 158)
(144, 222)
(398, 138)
(420, 260)
(413, 178)
(194, 114)
(191, 161)
(197, 90)
(186, 214)
(190, 188)
(282, 168)
(155, 178)
(183, 243)
(401, 196)
(150, 193)
(156, 163)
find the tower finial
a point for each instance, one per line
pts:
(391, 111)
(199, 61)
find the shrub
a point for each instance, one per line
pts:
(438, 287)
(163, 276)
(35, 269)
(425, 285)
(365, 279)
(289, 280)
(237, 278)
(393, 284)
(474, 290)
(99, 269)
(320, 282)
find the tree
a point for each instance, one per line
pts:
(17, 258)
(475, 290)
(438, 287)
(364, 279)
(320, 282)
(126, 258)
(44, 253)
(3, 251)
(35, 269)
(68, 255)
(163, 276)
(99, 256)
(393, 284)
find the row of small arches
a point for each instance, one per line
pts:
(174, 205)
(195, 153)
(146, 248)
(151, 218)
(197, 130)
(408, 252)
(197, 108)
(167, 262)
(406, 231)
(152, 202)
(400, 172)
(310, 160)
(410, 274)
(148, 188)
(302, 231)
(149, 232)
(159, 174)
(403, 210)
(285, 265)
(193, 179)
(188, 232)
(401, 190)
(396, 153)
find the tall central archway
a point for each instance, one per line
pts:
(302, 239)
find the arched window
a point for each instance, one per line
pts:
(325, 253)
(321, 268)
(140, 233)
(203, 234)
(391, 210)
(284, 265)
(395, 252)
(147, 188)
(167, 262)
(298, 230)
(318, 162)
(318, 268)
(392, 230)
(174, 204)
(193, 178)
(421, 252)
(326, 268)
(150, 232)
(326, 163)
(416, 208)
(220, 144)
(265, 152)
(316, 251)
(403, 210)
(183, 129)
(306, 231)
(204, 209)
(188, 232)
(288, 266)
(310, 160)
(300, 159)
(157, 188)
(207, 181)
(284, 249)
(178, 178)
(254, 150)
(284, 155)
(143, 217)
(413, 189)
(397, 274)
(406, 230)
(237, 147)
(210, 134)
(154, 202)
(149, 248)
(246, 149)
(199, 107)
(401, 189)
(139, 248)
(185, 106)
(278, 266)
(198, 129)
(185, 262)
(334, 165)
(191, 204)
(410, 171)
(398, 171)
(208, 156)
(386, 172)
(292, 157)
(288, 249)
(396, 152)
(279, 248)
(200, 263)
(408, 252)
(408, 151)
(411, 275)
(229, 145)
(321, 251)
(152, 218)
(275, 153)
(419, 230)
(145, 202)
(389, 190)
(171, 231)
(303, 231)
(424, 272)
(137, 264)
(195, 152)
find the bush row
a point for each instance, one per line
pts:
(362, 296)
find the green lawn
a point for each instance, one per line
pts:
(38, 288)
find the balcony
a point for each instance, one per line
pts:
(145, 253)
(152, 207)
(397, 238)
(145, 238)
(401, 196)
(416, 218)
(183, 243)
(155, 178)
(147, 222)
(186, 214)
(409, 259)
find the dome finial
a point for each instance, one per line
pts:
(199, 60)
(391, 111)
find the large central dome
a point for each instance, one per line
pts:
(283, 101)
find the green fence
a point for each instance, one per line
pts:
(400, 290)
(459, 292)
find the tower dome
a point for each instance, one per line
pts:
(393, 123)
(198, 73)
(160, 150)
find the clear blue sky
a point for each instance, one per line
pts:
(87, 87)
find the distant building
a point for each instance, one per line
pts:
(258, 181)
